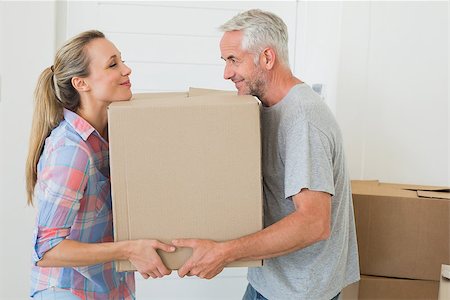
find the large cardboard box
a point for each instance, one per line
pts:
(384, 288)
(403, 230)
(185, 166)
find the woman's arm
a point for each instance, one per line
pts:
(141, 253)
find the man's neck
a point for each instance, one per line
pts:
(280, 83)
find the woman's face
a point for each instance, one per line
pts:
(109, 77)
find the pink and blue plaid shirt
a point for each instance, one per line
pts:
(73, 198)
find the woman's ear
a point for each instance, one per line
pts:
(80, 84)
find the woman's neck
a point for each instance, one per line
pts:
(97, 116)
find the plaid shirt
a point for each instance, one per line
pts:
(73, 198)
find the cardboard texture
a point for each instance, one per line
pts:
(384, 288)
(185, 167)
(150, 96)
(444, 285)
(350, 292)
(201, 91)
(403, 230)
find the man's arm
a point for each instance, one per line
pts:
(308, 224)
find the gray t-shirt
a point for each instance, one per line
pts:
(302, 148)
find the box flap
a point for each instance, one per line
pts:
(415, 187)
(180, 100)
(443, 194)
(376, 188)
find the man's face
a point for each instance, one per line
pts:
(249, 79)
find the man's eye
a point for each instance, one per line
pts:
(112, 65)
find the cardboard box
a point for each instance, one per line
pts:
(403, 230)
(350, 292)
(444, 285)
(384, 288)
(150, 96)
(185, 167)
(201, 91)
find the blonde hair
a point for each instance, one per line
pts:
(261, 29)
(54, 91)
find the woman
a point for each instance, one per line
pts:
(67, 174)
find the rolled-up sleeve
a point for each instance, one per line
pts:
(59, 189)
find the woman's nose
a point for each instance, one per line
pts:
(126, 70)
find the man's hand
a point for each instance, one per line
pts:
(208, 258)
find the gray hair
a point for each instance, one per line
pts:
(261, 29)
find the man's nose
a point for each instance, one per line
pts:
(227, 72)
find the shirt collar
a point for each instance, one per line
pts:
(80, 125)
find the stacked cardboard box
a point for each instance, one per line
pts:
(387, 288)
(403, 236)
(185, 165)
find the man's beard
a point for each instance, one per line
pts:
(257, 87)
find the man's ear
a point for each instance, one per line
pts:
(268, 57)
(80, 84)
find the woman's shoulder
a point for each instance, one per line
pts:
(64, 139)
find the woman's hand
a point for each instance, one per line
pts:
(144, 257)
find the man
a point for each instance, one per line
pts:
(309, 242)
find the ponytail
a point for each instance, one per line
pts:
(54, 91)
(48, 113)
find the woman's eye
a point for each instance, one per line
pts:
(112, 65)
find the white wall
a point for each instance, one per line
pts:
(392, 103)
(318, 45)
(384, 67)
(26, 47)
(166, 43)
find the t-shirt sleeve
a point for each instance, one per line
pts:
(60, 186)
(308, 160)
